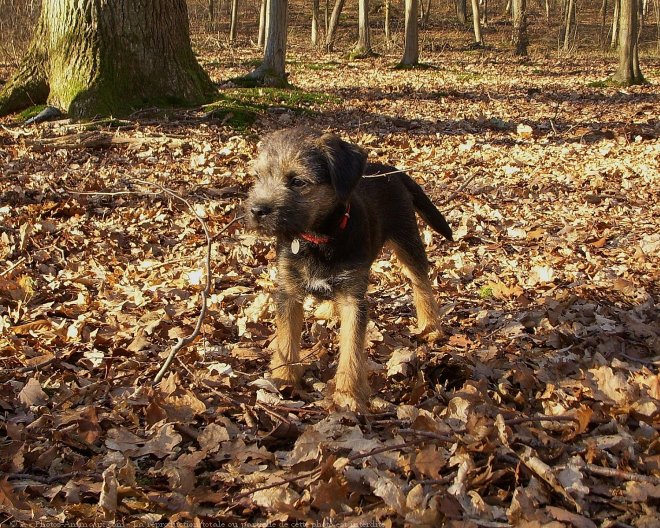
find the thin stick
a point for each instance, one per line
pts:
(623, 475)
(311, 473)
(12, 267)
(185, 341)
(459, 190)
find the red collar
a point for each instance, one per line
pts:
(323, 239)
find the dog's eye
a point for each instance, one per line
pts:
(297, 182)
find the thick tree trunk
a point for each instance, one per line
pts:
(334, 22)
(315, 21)
(92, 57)
(476, 21)
(461, 11)
(363, 46)
(519, 39)
(233, 25)
(271, 72)
(629, 71)
(261, 39)
(411, 43)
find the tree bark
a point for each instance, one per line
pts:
(233, 25)
(271, 72)
(363, 46)
(520, 40)
(261, 39)
(603, 21)
(315, 21)
(426, 12)
(476, 21)
(334, 22)
(615, 24)
(461, 11)
(484, 12)
(93, 57)
(411, 42)
(629, 71)
(388, 39)
(569, 25)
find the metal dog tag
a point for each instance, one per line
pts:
(295, 246)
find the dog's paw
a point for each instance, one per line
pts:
(429, 332)
(286, 375)
(345, 401)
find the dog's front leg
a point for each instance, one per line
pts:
(351, 382)
(285, 364)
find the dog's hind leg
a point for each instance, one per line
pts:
(412, 256)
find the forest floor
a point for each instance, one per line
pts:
(540, 407)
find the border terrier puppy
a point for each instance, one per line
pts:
(330, 224)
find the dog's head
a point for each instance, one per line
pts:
(301, 177)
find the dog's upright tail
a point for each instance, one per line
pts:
(424, 206)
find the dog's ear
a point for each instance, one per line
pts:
(346, 164)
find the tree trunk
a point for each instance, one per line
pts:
(569, 25)
(629, 71)
(261, 40)
(315, 21)
(603, 21)
(233, 25)
(426, 12)
(461, 11)
(484, 12)
(334, 22)
(388, 40)
(411, 43)
(547, 11)
(363, 46)
(271, 72)
(211, 11)
(615, 24)
(476, 21)
(92, 58)
(519, 39)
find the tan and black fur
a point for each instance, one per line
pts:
(305, 182)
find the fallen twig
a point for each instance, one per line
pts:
(12, 267)
(620, 474)
(185, 341)
(311, 473)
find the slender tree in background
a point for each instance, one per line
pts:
(332, 27)
(520, 40)
(386, 23)
(261, 39)
(461, 11)
(629, 71)
(483, 7)
(426, 12)
(233, 25)
(271, 71)
(411, 42)
(615, 24)
(100, 58)
(363, 46)
(476, 22)
(316, 12)
(570, 25)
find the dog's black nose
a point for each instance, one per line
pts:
(259, 211)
